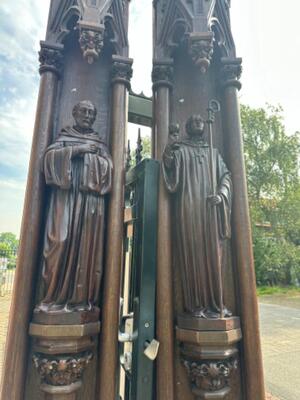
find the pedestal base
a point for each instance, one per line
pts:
(210, 356)
(61, 354)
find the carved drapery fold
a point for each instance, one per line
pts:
(51, 58)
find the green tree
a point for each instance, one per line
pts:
(10, 240)
(274, 194)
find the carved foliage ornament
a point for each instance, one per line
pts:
(162, 75)
(231, 73)
(91, 43)
(201, 51)
(121, 73)
(61, 370)
(210, 376)
(51, 59)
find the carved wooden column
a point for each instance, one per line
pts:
(121, 75)
(162, 84)
(244, 263)
(14, 373)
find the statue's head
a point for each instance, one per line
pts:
(195, 125)
(84, 114)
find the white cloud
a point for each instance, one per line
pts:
(267, 39)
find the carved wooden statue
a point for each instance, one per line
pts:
(78, 168)
(187, 174)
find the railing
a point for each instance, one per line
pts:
(7, 273)
(8, 260)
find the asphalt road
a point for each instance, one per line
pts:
(280, 329)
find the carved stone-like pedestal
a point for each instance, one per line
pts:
(61, 354)
(210, 356)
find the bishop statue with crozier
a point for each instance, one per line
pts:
(78, 169)
(199, 238)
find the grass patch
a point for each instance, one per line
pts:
(271, 290)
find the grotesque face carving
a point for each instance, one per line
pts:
(84, 114)
(195, 125)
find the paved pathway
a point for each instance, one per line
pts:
(280, 329)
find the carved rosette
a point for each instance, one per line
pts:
(51, 58)
(121, 71)
(91, 43)
(231, 72)
(162, 75)
(201, 49)
(211, 377)
(61, 370)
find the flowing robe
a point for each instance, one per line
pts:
(186, 171)
(73, 243)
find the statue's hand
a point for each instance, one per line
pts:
(86, 148)
(215, 200)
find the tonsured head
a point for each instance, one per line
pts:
(84, 114)
(195, 125)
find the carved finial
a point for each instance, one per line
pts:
(128, 157)
(139, 149)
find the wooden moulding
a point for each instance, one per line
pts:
(210, 337)
(64, 331)
(200, 324)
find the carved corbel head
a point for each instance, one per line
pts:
(91, 41)
(201, 48)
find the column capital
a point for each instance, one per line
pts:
(61, 374)
(162, 73)
(121, 70)
(231, 71)
(51, 57)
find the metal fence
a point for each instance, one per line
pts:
(8, 260)
(7, 273)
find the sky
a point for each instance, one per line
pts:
(266, 35)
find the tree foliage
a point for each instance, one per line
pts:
(274, 194)
(8, 248)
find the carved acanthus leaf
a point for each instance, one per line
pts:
(51, 58)
(201, 49)
(122, 71)
(61, 370)
(162, 75)
(231, 72)
(210, 376)
(91, 43)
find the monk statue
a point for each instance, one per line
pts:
(78, 169)
(198, 247)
